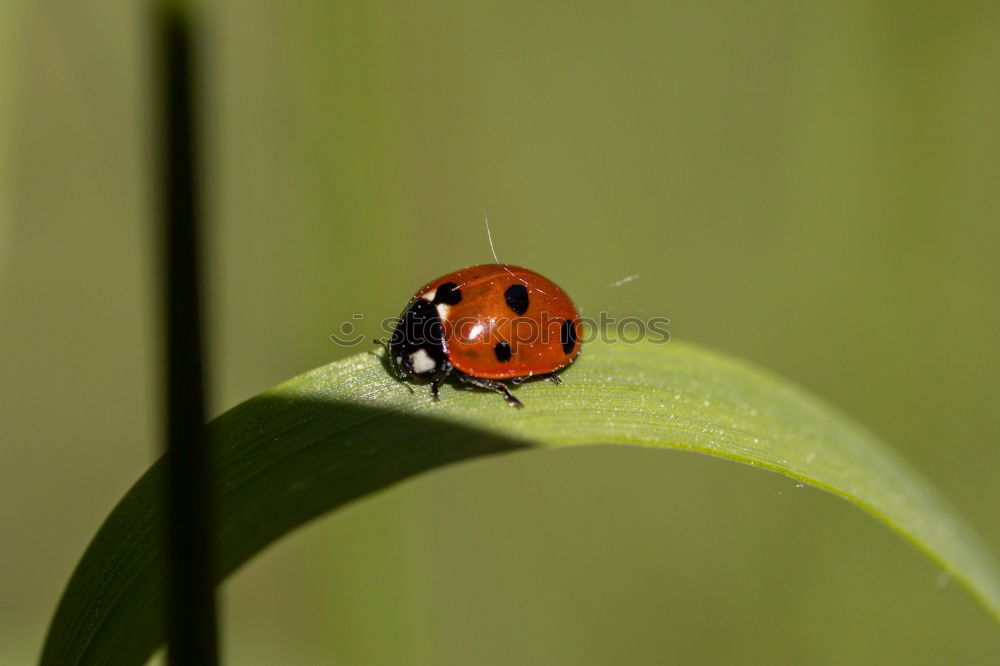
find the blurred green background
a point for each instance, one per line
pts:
(812, 186)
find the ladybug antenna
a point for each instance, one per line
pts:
(489, 237)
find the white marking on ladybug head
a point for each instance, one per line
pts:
(429, 296)
(399, 361)
(442, 310)
(422, 361)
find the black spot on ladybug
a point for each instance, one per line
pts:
(502, 350)
(448, 294)
(568, 336)
(517, 298)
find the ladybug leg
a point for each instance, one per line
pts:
(492, 385)
(439, 377)
(555, 379)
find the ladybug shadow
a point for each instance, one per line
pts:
(463, 382)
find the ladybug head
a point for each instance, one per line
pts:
(416, 348)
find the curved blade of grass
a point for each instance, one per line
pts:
(347, 429)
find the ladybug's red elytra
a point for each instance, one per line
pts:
(484, 325)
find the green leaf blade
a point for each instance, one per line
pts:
(348, 429)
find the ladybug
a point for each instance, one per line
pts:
(484, 325)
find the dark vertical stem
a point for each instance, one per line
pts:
(191, 612)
